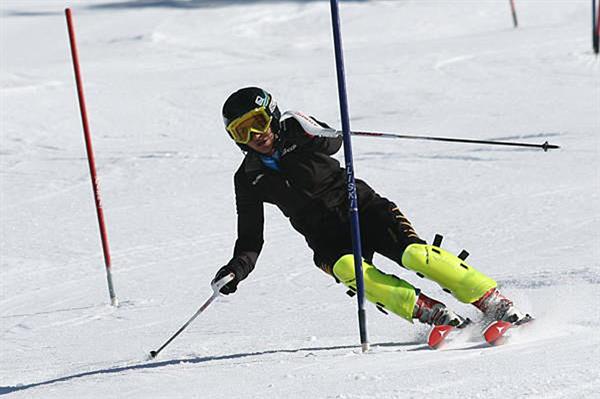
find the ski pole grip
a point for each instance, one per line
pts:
(217, 285)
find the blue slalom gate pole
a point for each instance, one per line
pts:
(353, 200)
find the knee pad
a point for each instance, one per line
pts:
(384, 290)
(453, 274)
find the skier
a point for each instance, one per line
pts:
(292, 169)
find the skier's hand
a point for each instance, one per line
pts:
(230, 287)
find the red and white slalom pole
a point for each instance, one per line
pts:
(514, 13)
(90, 155)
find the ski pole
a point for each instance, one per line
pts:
(545, 146)
(216, 286)
(313, 128)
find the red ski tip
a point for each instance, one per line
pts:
(495, 331)
(438, 335)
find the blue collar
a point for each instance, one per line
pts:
(271, 162)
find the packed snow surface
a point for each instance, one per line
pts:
(156, 73)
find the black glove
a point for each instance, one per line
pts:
(230, 287)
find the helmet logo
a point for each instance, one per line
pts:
(260, 101)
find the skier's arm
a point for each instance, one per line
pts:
(249, 234)
(326, 145)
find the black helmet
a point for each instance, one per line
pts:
(248, 99)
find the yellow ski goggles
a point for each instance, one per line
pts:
(254, 122)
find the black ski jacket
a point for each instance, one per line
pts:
(309, 181)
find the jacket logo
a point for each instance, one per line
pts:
(289, 149)
(260, 176)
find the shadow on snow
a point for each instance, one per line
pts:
(180, 4)
(152, 364)
(195, 3)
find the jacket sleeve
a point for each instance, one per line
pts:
(326, 145)
(250, 223)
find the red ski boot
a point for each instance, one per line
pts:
(503, 314)
(497, 307)
(432, 312)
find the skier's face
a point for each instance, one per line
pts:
(263, 143)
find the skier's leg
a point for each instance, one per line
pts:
(388, 232)
(385, 230)
(332, 243)
(463, 281)
(385, 290)
(393, 236)
(453, 274)
(393, 294)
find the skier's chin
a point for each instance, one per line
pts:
(264, 146)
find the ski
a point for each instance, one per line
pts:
(495, 333)
(438, 334)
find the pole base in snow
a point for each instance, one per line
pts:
(111, 290)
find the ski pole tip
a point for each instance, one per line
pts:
(153, 354)
(547, 146)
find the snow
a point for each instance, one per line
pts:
(156, 73)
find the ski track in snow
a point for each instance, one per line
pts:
(155, 75)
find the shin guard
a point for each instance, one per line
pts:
(385, 290)
(449, 271)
